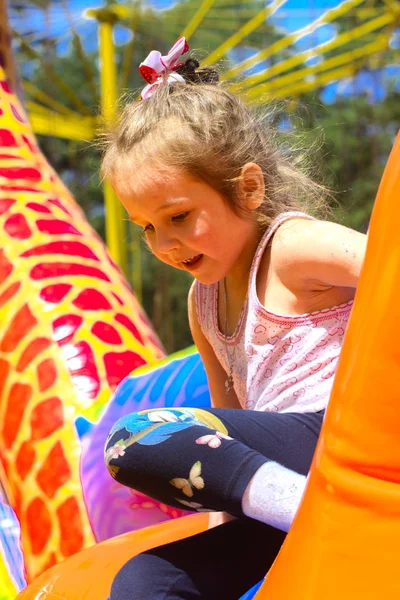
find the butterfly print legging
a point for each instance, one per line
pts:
(203, 460)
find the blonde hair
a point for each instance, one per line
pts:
(207, 132)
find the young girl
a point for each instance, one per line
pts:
(268, 310)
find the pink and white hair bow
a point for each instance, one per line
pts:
(155, 69)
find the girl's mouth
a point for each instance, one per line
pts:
(190, 263)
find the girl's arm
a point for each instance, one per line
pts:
(216, 374)
(318, 254)
(216, 381)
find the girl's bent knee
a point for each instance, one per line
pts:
(145, 577)
(117, 438)
(135, 580)
(144, 428)
(143, 450)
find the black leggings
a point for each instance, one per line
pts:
(203, 460)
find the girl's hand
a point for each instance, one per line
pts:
(219, 518)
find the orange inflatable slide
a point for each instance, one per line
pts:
(344, 541)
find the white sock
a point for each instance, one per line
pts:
(273, 495)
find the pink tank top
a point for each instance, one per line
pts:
(280, 363)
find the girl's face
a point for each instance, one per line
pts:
(189, 225)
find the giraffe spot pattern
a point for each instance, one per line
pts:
(65, 327)
(39, 525)
(18, 328)
(7, 139)
(17, 114)
(26, 173)
(39, 208)
(60, 205)
(9, 292)
(64, 269)
(34, 348)
(91, 299)
(55, 293)
(30, 144)
(16, 226)
(46, 373)
(118, 299)
(17, 401)
(5, 204)
(46, 418)
(56, 227)
(4, 370)
(106, 333)
(13, 156)
(68, 514)
(81, 364)
(130, 326)
(120, 364)
(64, 248)
(19, 188)
(25, 459)
(54, 472)
(5, 87)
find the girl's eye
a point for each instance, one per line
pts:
(180, 217)
(148, 228)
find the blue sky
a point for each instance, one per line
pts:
(294, 15)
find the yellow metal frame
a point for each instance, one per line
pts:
(55, 77)
(197, 18)
(116, 233)
(46, 122)
(286, 87)
(308, 86)
(129, 48)
(340, 40)
(327, 17)
(47, 100)
(115, 218)
(245, 30)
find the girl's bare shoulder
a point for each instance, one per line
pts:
(305, 251)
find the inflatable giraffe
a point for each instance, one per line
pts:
(71, 330)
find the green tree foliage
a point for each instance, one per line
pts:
(358, 138)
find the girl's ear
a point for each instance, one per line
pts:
(251, 186)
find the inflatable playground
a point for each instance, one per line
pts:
(77, 352)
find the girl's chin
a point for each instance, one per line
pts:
(198, 269)
(206, 279)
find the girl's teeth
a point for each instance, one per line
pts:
(190, 260)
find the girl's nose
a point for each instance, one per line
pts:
(166, 243)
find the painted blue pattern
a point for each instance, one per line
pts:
(251, 593)
(9, 544)
(137, 423)
(179, 382)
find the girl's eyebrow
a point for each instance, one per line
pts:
(176, 203)
(172, 204)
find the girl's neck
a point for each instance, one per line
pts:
(237, 279)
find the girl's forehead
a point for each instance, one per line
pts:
(143, 177)
(138, 181)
